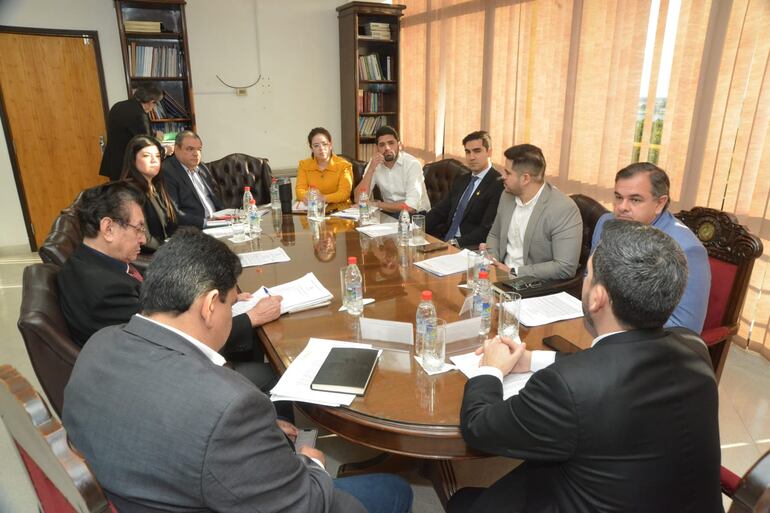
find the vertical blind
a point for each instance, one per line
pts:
(598, 85)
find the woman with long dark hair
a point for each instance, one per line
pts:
(330, 174)
(141, 167)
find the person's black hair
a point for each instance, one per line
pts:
(107, 200)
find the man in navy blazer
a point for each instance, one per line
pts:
(189, 182)
(481, 187)
(628, 425)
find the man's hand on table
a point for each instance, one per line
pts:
(505, 354)
(268, 309)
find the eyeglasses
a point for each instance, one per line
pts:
(140, 230)
(318, 146)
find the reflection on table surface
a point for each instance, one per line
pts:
(404, 410)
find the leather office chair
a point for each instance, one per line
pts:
(359, 166)
(63, 238)
(61, 478)
(45, 331)
(439, 177)
(751, 493)
(237, 170)
(732, 251)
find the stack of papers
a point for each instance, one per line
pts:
(219, 231)
(301, 294)
(294, 385)
(468, 364)
(351, 213)
(269, 256)
(537, 311)
(446, 264)
(379, 230)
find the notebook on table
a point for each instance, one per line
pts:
(347, 370)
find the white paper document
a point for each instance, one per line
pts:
(299, 206)
(269, 256)
(301, 294)
(388, 331)
(536, 311)
(224, 212)
(365, 301)
(219, 232)
(446, 264)
(213, 223)
(379, 230)
(512, 383)
(352, 212)
(294, 385)
(460, 330)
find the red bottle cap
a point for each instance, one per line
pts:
(247, 188)
(483, 275)
(352, 260)
(404, 206)
(253, 202)
(427, 295)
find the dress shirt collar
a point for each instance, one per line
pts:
(216, 358)
(602, 337)
(482, 174)
(532, 202)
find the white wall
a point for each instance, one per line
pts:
(299, 51)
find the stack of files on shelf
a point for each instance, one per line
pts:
(172, 107)
(294, 384)
(142, 26)
(158, 60)
(301, 294)
(369, 67)
(537, 311)
(512, 383)
(446, 264)
(368, 125)
(377, 30)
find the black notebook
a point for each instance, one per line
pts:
(347, 370)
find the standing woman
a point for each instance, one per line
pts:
(330, 174)
(141, 167)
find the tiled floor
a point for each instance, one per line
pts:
(744, 412)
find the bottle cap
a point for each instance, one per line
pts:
(352, 260)
(427, 295)
(483, 275)
(253, 202)
(404, 206)
(247, 188)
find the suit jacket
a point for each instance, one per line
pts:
(553, 237)
(96, 292)
(182, 192)
(479, 213)
(164, 428)
(159, 224)
(125, 120)
(629, 425)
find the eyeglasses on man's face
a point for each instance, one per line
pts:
(140, 230)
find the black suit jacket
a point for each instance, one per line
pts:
(95, 293)
(479, 214)
(125, 120)
(182, 192)
(629, 425)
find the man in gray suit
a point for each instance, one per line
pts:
(165, 427)
(538, 229)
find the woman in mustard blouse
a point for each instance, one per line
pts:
(330, 174)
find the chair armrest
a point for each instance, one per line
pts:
(713, 336)
(728, 481)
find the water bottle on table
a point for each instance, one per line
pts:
(254, 219)
(275, 199)
(363, 209)
(354, 296)
(404, 226)
(247, 197)
(482, 302)
(425, 324)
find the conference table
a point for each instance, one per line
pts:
(404, 411)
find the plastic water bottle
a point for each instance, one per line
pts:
(363, 209)
(247, 197)
(482, 302)
(354, 296)
(486, 259)
(425, 324)
(312, 203)
(275, 199)
(254, 219)
(404, 226)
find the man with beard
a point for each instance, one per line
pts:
(397, 174)
(629, 425)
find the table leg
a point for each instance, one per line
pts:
(442, 475)
(382, 463)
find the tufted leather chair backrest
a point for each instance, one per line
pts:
(590, 211)
(237, 170)
(45, 331)
(359, 166)
(439, 177)
(63, 238)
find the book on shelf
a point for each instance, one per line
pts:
(173, 107)
(158, 60)
(370, 102)
(370, 67)
(366, 151)
(142, 26)
(170, 127)
(368, 125)
(347, 370)
(376, 30)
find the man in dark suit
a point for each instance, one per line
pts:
(166, 428)
(99, 286)
(125, 120)
(629, 425)
(189, 182)
(467, 213)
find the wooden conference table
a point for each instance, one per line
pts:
(404, 411)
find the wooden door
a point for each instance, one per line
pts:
(51, 88)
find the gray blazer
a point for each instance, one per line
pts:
(164, 427)
(553, 237)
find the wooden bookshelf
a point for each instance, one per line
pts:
(158, 55)
(369, 95)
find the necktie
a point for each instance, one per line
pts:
(134, 273)
(458, 217)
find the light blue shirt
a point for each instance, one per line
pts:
(691, 310)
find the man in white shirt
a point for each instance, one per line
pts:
(165, 426)
(397, 174)
(538, 229)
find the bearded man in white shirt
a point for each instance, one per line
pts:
(538, 229)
